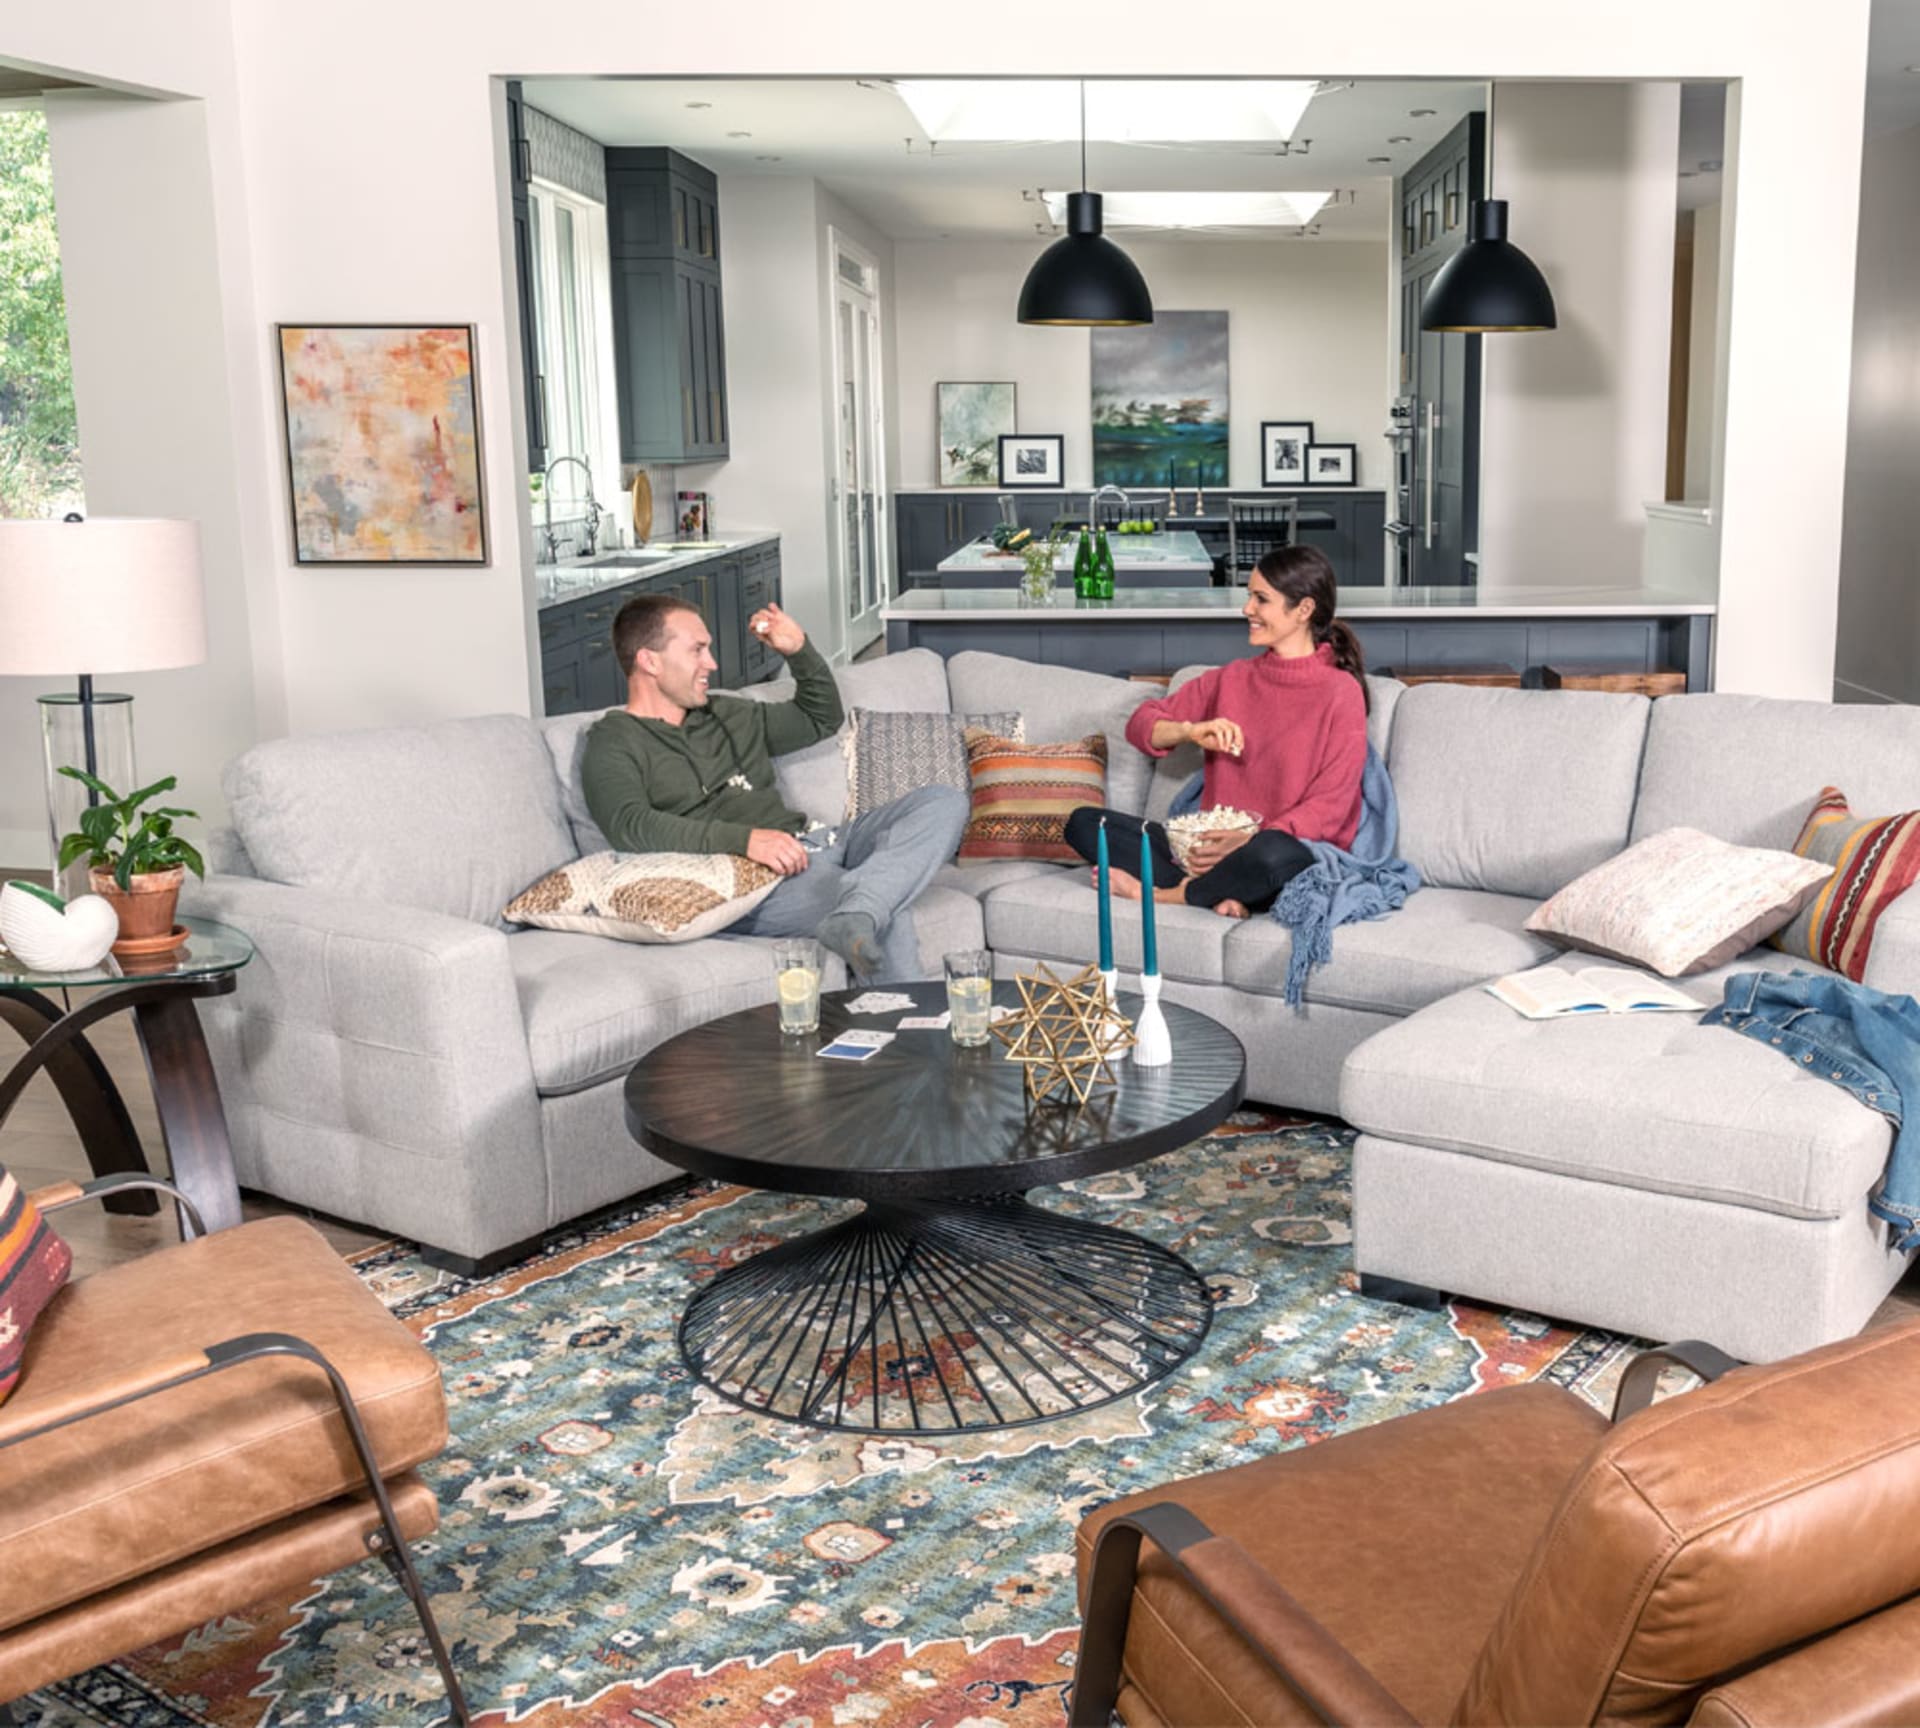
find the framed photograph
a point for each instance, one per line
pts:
(1032, 458)
(1330, 465)
(1283, 452)
(973, 418)
(383, 443)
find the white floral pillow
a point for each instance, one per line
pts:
(645, 896)
(1680, 902)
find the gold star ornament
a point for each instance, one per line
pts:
(1065, 1034)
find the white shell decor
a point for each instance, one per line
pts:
(48, 934)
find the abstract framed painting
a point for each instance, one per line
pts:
(383, 443)
(972, 418)
(1160, 402)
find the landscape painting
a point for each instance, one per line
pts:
(972, 420)
(383, 443)
(1160, 402)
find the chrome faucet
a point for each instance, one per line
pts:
(546, 496)
(1093, 503)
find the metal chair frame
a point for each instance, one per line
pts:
(1279, 520)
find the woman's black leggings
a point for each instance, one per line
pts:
(1253, 874)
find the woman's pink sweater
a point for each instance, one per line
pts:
(1305, 723)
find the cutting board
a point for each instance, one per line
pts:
(642, 507)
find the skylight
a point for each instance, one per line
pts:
(1119, 111)
(1199, 209)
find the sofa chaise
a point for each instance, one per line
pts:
(398, 1056)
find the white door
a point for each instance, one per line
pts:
(859, 540)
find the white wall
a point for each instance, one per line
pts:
(1574, 421)
(326, 190)
(1307, 326)
(1703, 352)
(1879, 647)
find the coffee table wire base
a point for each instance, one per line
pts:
(944, 1316)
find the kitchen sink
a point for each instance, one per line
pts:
(623, 560)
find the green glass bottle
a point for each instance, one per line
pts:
(1103, 569)
(1083, 566)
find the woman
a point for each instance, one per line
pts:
(1285, 734)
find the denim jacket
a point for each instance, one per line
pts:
(1864, 1040)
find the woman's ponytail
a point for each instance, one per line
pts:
(1347, 655)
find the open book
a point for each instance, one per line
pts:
(1547, 992)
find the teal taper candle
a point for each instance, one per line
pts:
(1149, 949)
(1106, 902)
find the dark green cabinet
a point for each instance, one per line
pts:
(929, 526)
(578, 671)
(1440, 371)
(519, 178)
(669, 329)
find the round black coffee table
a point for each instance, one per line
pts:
(947, 1302)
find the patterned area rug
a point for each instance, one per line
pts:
(618, 1546)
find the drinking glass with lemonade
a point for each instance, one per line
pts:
(969, 995)
(796, 977)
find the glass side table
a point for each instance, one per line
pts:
(161, 992)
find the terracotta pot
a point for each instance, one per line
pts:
(145, 908)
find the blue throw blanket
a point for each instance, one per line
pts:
(1338, 886)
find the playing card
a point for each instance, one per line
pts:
(855, 1046)
(925, 1023)
(879, 1002)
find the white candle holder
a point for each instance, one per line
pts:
(1152, 1042)
(1114, 1044)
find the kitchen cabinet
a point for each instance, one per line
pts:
(1440, 372)
(578, 671)
(519, 178)
(930, 525)
(669, 331)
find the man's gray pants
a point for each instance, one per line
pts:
(876, 864)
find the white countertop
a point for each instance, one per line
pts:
(1131, 491)
(1180, 550)
(1357, 603)
(577, 578)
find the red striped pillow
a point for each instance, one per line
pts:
(34, 1263)
(1875, 859)
(1024, 793)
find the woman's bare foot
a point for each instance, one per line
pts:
(1127, 887)
(1230, 909)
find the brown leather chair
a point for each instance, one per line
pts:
(1744, 1554)
(197, 1428)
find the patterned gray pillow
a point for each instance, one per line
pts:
(890, 754)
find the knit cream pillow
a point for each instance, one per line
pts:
(1680, 901)
(645, 896)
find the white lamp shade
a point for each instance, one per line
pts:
(111, 594)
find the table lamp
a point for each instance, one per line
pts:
(80, 597)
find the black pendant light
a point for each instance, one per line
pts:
(1489, 284)
(1083, 278)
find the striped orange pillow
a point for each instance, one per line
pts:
(34, 1263)
(1875, 859)
(1024, 793)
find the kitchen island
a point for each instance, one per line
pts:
(1157, 630)
(1175, 560)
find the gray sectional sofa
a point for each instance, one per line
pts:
(398, 1056)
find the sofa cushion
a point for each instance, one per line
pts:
(978, 877)
(1060, 703)
(646, 896)
(1517, 791)
(890, 753)
(593, 1008)
(1055, 917)
(34, 1263)
(1748, 768)
(455, 817)
(1875, 859)
(1442, 940)
(1024, 793)
(1651, 1101)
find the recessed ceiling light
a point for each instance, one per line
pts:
(1191, 110)
(1199, 209)
(1379, 158)
(739, 134)
(1421, 113)
(1401, 139)
(699, 104)
(1711, 165)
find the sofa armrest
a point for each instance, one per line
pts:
(1863, 1673)
(1330, 1680)
(1893, 961)
(373, 1061)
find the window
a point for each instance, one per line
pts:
(573, 325)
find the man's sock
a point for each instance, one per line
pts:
(855, 937)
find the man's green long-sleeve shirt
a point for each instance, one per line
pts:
(653, 787)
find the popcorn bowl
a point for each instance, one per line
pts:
(1183, 832)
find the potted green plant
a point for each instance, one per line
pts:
(135, 861)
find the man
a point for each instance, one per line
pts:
(672, 772)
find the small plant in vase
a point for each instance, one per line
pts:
(1037, 578)
(134, 859)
